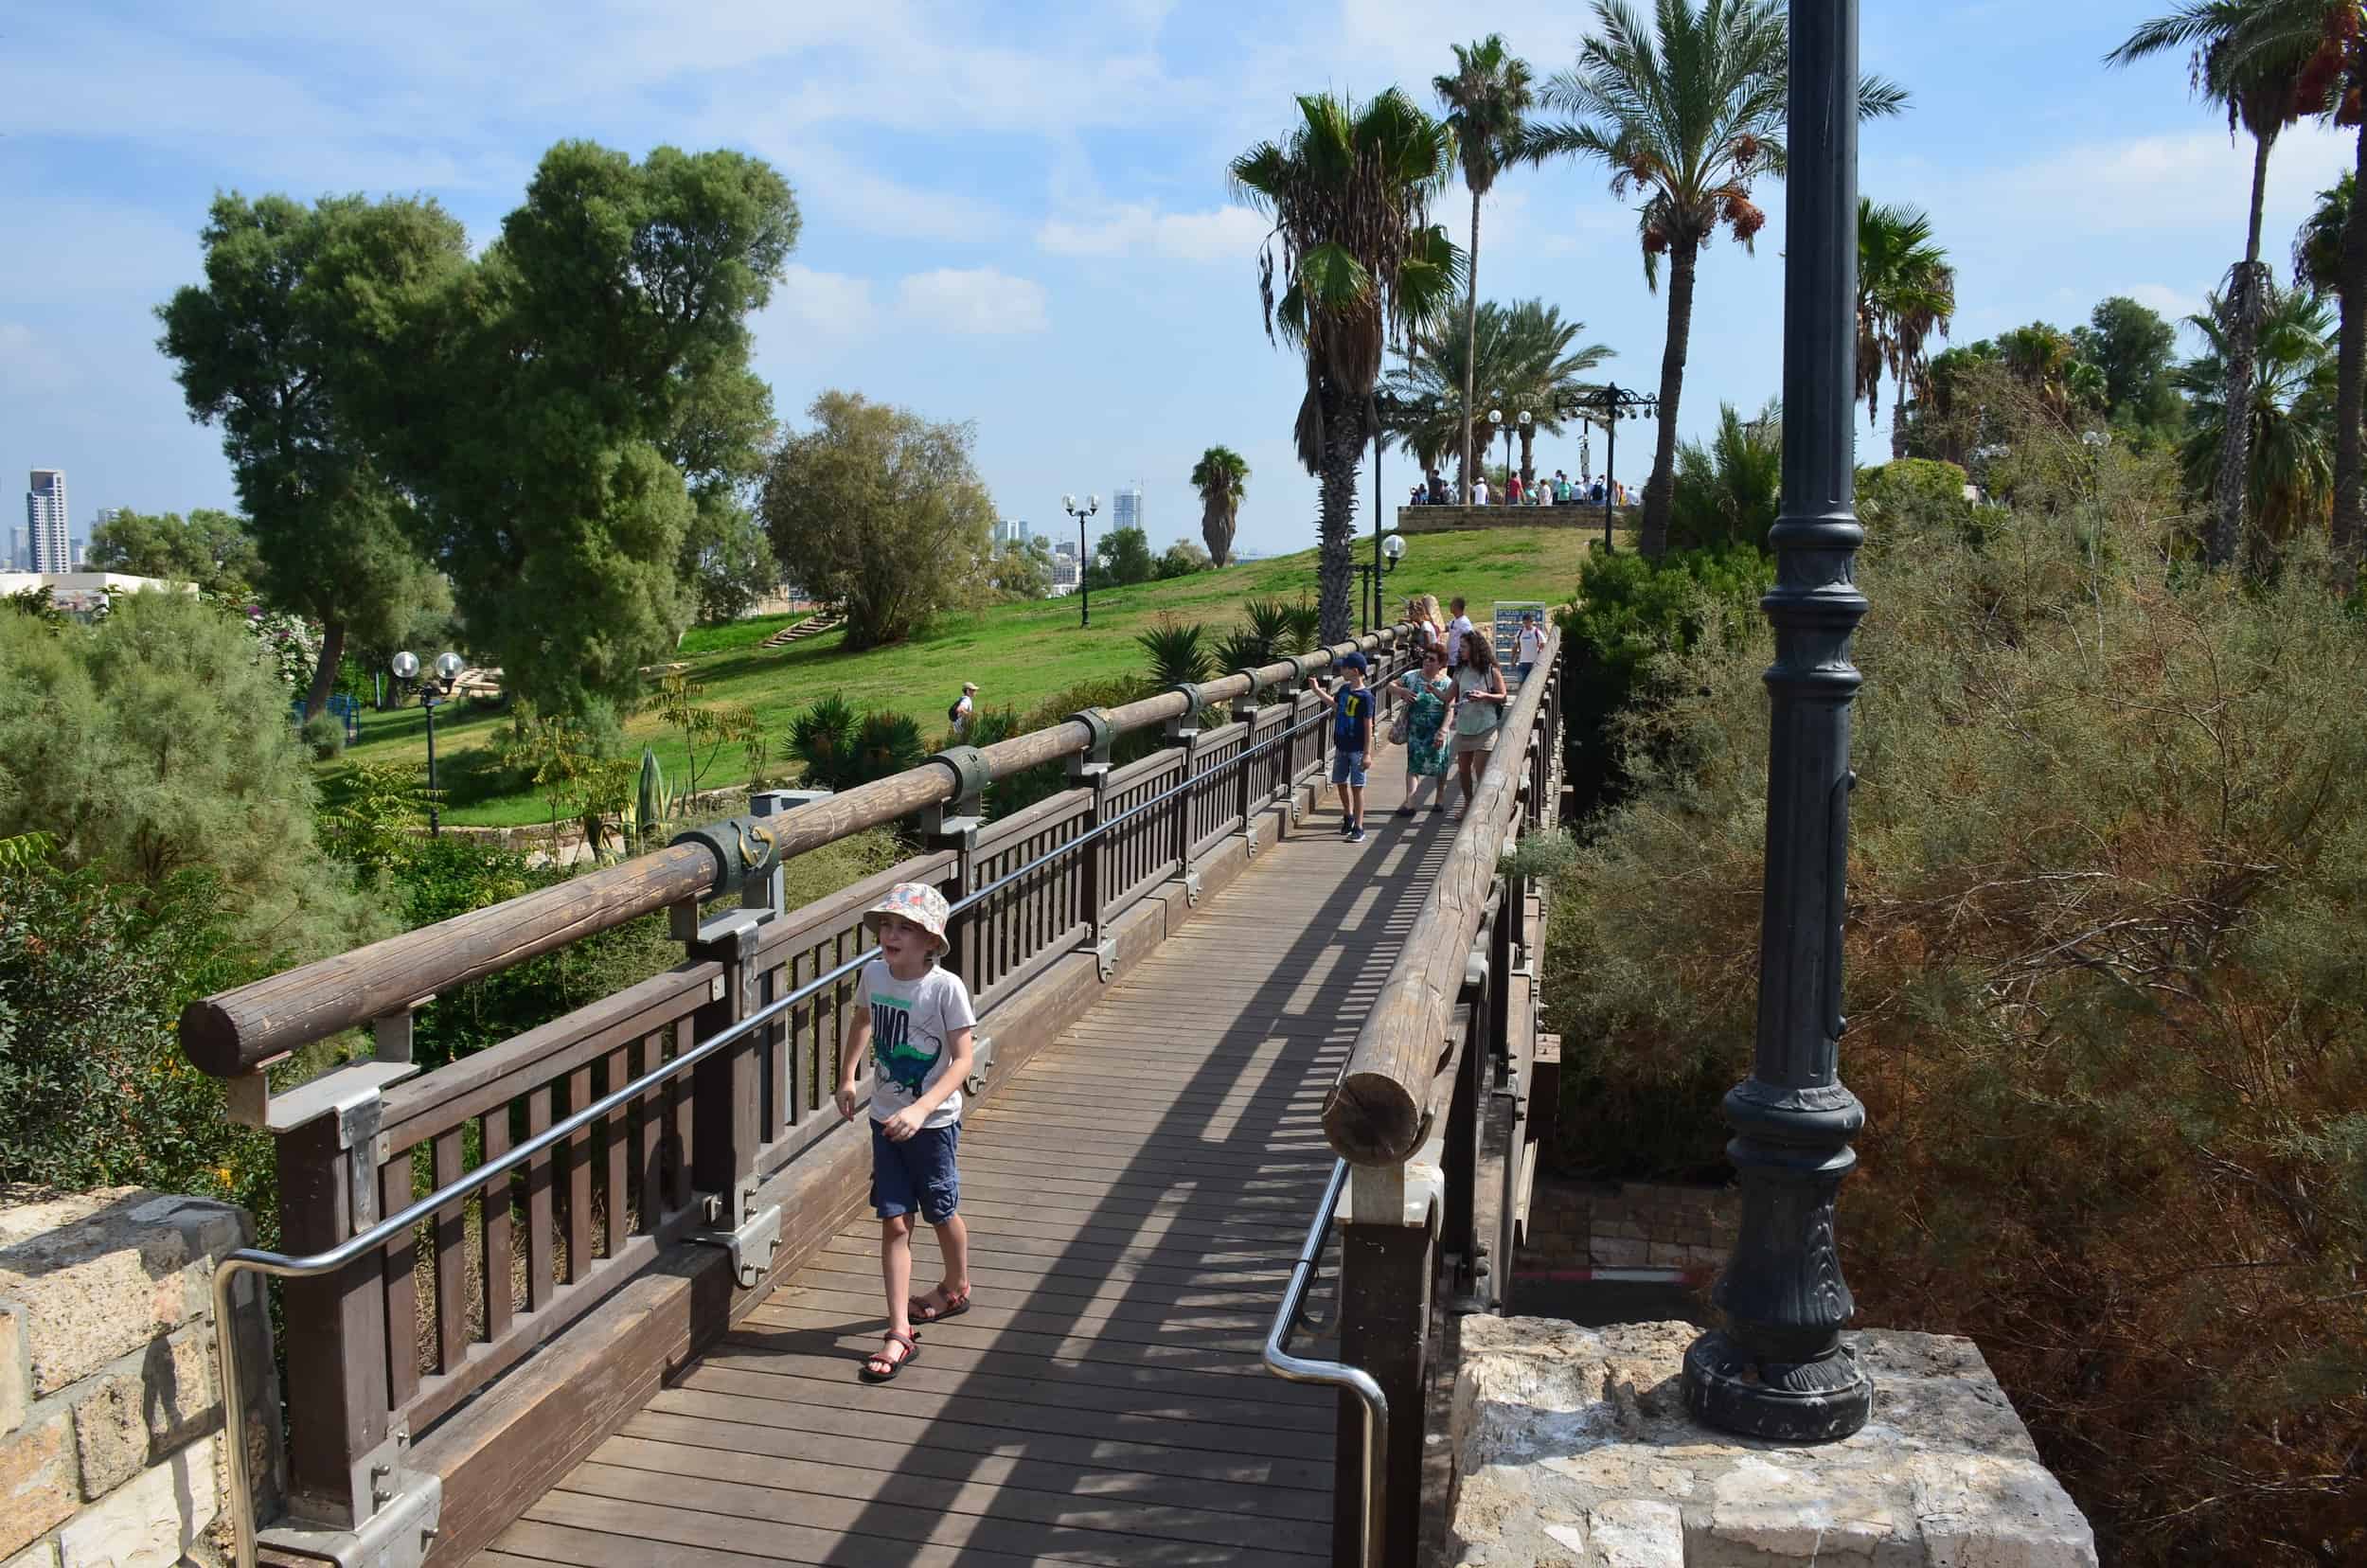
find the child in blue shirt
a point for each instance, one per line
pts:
(1351, 742)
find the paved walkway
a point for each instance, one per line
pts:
(1135, 1196)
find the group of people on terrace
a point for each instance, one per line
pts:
(1559, 490)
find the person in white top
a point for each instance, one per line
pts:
(1458, 629)
(1479, 491)
(963, 711)
(1528, 646)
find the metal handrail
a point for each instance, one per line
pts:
(1355, 1380)
(280, 1266)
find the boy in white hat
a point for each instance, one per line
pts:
(918, 1025)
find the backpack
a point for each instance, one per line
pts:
(953, 714)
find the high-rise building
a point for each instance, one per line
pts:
(1126, 507)
(45, 522)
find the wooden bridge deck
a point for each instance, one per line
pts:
(1135, 1196)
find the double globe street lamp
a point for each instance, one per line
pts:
(448, 667)
(1084, 594)
(1496, 418)
(1369, 572)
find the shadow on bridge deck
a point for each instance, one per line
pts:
(1135, 1196)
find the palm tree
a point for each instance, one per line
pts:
(1525, 350)
(2230, 63)
(2318, 243)
(1349, 192)
(1906, 291)
(2290, 445)
(1485, 101)
(1690, 113)
(1220, 476)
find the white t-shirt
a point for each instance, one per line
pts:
(1529, 646)
(910, 1021)
(1455, 632)
(1479, 492)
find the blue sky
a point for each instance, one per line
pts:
(1016, 215)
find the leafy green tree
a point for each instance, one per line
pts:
(1183, 559)
(1689, 111)
(881, 511)
(2259, 85)
(257, 349)
(1121, 558)
(1022, 571)
(1486, 100)
(568, 406)
(1906, 291)
(2134, 346)
(1221, 476)
(1349, 192)
(1728, 492)
(2290, 444)
(726, 559)
(155, 746)
(212, 549)
(1527, 355)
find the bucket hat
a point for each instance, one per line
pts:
(923, 905)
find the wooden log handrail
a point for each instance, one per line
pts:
(241, 1030)
(1380, 1111)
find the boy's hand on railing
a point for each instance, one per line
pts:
(846, 1099)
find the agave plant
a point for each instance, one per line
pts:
(1242, 648)
(1270, 622)
(1306, 630)
(1179, 651)
(822, 738)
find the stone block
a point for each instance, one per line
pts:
(41, 1554)
(1616, 1252)
(100, 1275)
(143, 1406)
(36, 1479)
(1573, 1446)
(16, 1372)
(152, 1522)
(1665, 1254)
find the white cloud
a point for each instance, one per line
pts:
(1220, 234)
(824, 304)
(2174, 304)
(2149, 185)
(972, 301)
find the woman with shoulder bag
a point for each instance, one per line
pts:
(1421, 726)
(1479, 710)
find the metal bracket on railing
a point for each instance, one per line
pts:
(736, 927)
(1186, 724)
(744, 848)
(408, 1506)
(981, 1060)
(753, 1242)
(1106, 959)
(1298, 673)
(1191, 889)
(961, 816)
(1094, 758)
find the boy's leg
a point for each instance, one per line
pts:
(1356, 803)
(896, 1270)
(953, 1243)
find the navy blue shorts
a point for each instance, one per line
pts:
(918, 1174)
(1347, 767)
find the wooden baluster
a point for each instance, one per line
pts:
(613, 1134)
(540, 1241)
(403, 1286)
(649, 1117)
(682, 1127)
(722, 1091)
(495, 1212)
(579, 1188)
(336, 1330)
(451, 1260)
(1385, 1273)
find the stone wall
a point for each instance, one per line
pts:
(1580, 1228)
(1424, 520)
(1573, 1450)
(109, 1409)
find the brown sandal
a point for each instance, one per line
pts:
(925, 1310)
(880, 1366)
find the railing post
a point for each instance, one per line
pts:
(1090, 770)
(340, 1451)
(1458, 1229)
(1245, 712)
(953, 826)
(1387, 1248)
(1184, 730)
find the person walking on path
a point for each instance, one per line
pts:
(964, 709)
(1351, 743)
(1528, 646)
(1458, 632)
(1426, 693)
(919, 1029)
(1479, 710)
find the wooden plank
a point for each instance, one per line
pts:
(577, 1191)
(541, 1239)
(495, 1132)
(617, 1185)
(451, 1260)
(402, 1286)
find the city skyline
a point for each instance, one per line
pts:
(48, 538)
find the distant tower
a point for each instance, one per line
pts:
(45, 522)
(1126, 507)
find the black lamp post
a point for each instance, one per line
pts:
(448, 667)
(1387, 554)
(1779, 1369)
(1607, 405)
(1084, 592)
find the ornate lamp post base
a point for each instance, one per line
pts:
(1814, 1402)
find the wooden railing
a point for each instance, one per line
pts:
(392, 1328)
(1439, 1069)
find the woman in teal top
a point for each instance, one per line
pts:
(1426, 695)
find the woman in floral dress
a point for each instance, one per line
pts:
(1426, 740)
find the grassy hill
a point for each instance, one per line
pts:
(1017, 653)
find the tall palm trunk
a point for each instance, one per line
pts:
(2244, 298)
(1653, 541)
(1898, 425)
(325, 672)
(1528, 470)
(1343, 444)
(2350, 396)
(1471, 347)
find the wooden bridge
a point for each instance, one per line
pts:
(598, 1295)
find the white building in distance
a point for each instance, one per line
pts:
(49, 548)
(1126, 507)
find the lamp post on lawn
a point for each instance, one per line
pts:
(1084, 594)
(1526, 478)
(1779, 1369)
(448, 667)
(1386, 556)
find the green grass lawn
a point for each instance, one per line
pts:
(1017, 653)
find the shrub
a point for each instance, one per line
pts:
(886, 743)
(1912, 497)
(822, 738)
(1023, 790)
(1726, 494)
(2107, 977)
(1179, 651)
(324, 736)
